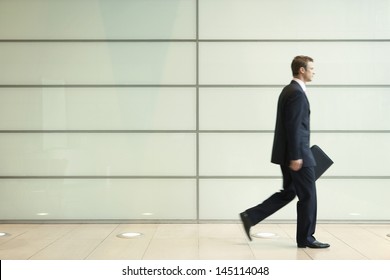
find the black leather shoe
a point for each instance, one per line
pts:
(315, 245)
(247, 224)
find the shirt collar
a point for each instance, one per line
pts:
(301, 83)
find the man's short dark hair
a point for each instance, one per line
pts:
(298, 62)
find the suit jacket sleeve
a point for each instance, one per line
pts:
(294, 111)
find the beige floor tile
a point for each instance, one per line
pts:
(67, 249)
(184, 231)
(16, 229)
(115, 248)
(380, 230)
(277, 249)
(275, 243)
(120, 249)
(172, 249)
(190, 242)
(221, 231)
(46, 231)
(274, 229)
(362, 240)
(75, 243)
(223, 241)
(91, 231)
(147, 230)
(26, 240)
(11, 232)
(215, 248)
(22, 249)
(339, 249)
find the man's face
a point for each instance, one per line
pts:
(309, 73)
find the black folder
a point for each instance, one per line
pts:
(322, 160)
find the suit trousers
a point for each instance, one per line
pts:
(295, 183)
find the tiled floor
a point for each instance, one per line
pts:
(189, 242)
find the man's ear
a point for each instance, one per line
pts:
(302, 70)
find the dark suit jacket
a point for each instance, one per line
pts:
(292, 130)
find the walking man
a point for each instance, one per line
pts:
(291, 150)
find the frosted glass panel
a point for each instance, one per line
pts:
(237, 196)
(97, 19)
(97, 63)
(232, 154)
(97, 199)
(333, 108)
(268, 63)
(97, 154)
(347, 108)
(356, 154)
(97, 108)
(334, 19)
(134, 69)
(355, 199)
(249, 154)
(238, 109)
(364, 199)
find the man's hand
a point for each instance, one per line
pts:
(295, 165)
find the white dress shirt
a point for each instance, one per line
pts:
(301, 83)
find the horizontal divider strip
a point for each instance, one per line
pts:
(292, 40)
(189, 177)
(186, 40)
(282, 85)
(350, 131)
(98, 40)
(98, 131)
(186, 131)
(97, 177)
(103, 221)
(176, 221)
(97, 86)
(184, 86)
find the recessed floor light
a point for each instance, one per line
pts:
(129, 235)
(2, 234)
(354, 214)
(147, 214)
(265, 235)
(42, 214)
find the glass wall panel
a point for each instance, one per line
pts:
(239, 195)
(345, 108)
(356, 154)
(97, 63)
(353, 199)
(97, 19)
(268, 63)
(174, 108)
(249, 154)
(332, 108)
(268, 19)
(97, 154)
(94, 199)
(97, 108)
(89, 90)
(237, 108)
(235, 154)
(356, 199)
